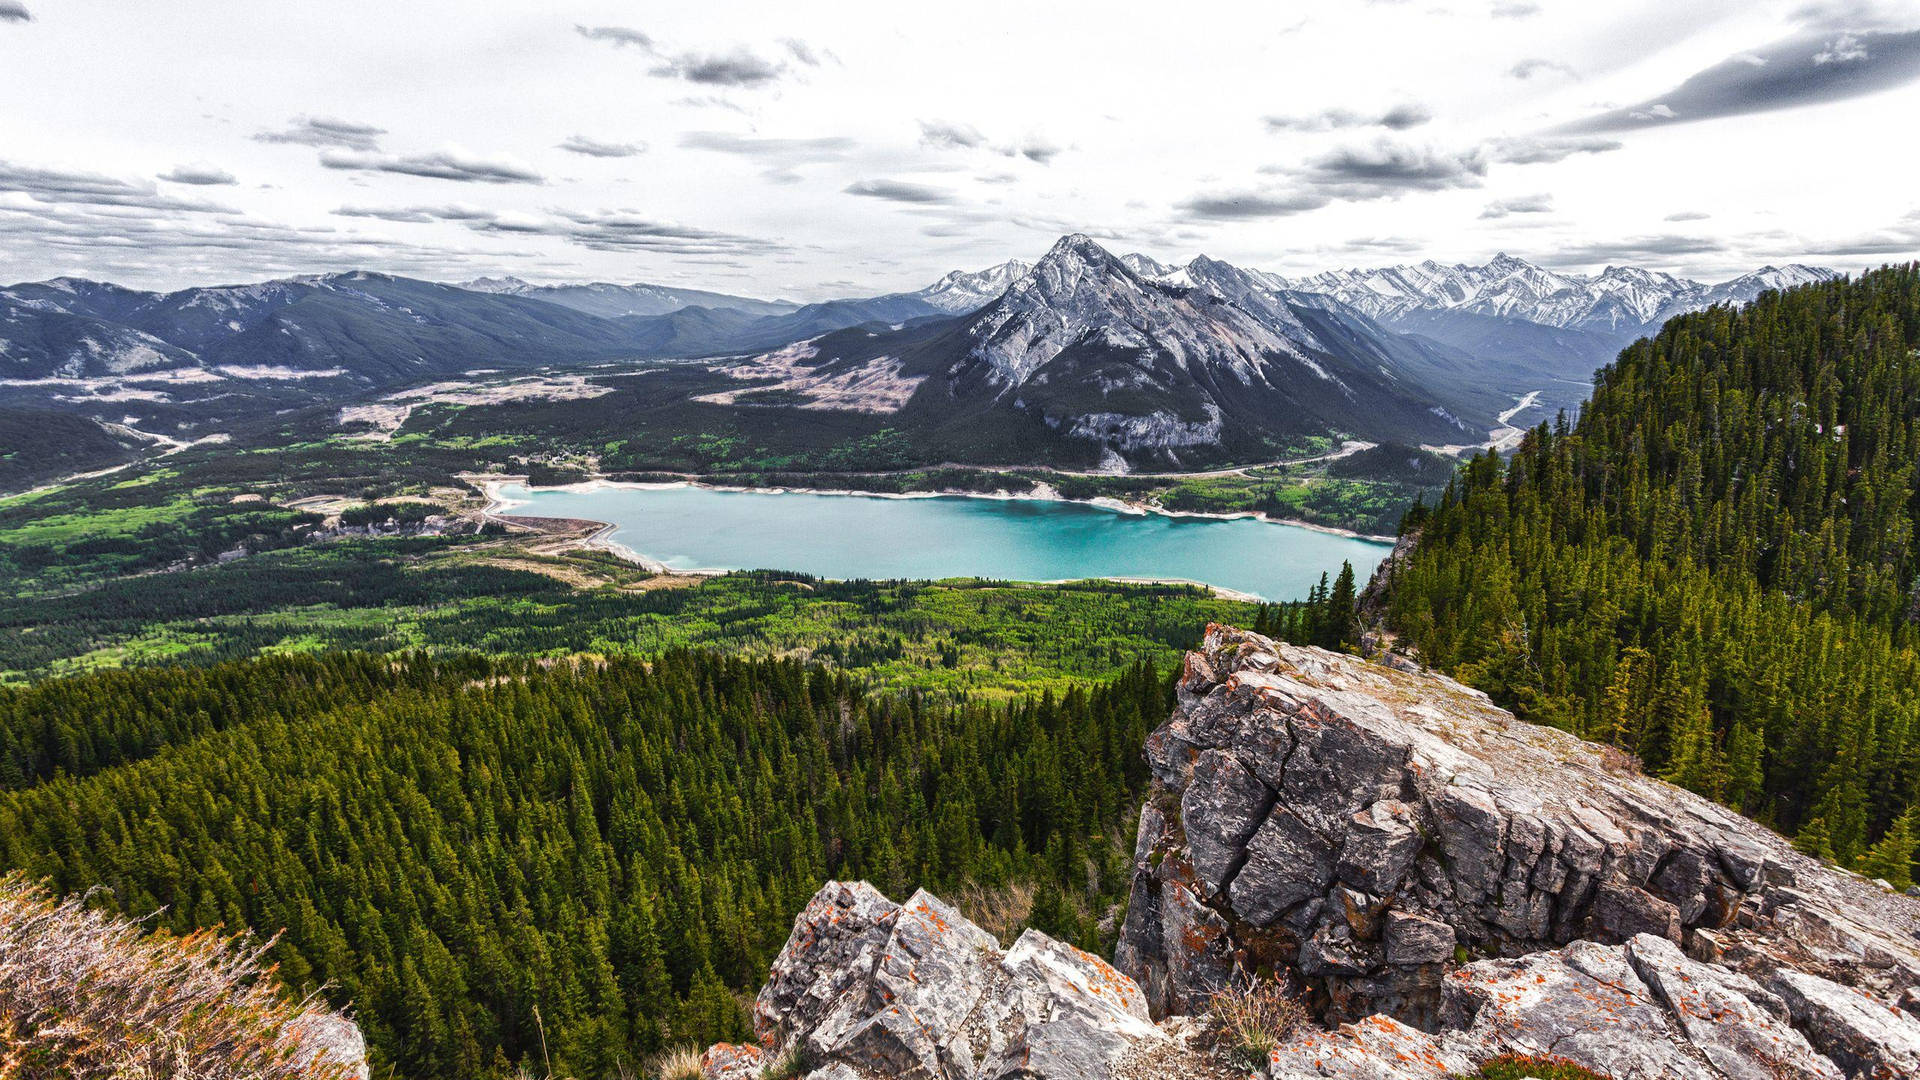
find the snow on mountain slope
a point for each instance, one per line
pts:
(961, 292)
(1086, 358)
(1621, 299)
(1146, 265)
(1080, 288)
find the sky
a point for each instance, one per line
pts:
(806, 151)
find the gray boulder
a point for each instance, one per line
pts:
(869, 988)
(1639, 1010)
(1365, 828)
(1441, 884)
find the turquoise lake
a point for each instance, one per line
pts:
(851, 536)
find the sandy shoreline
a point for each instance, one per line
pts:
(499, 506)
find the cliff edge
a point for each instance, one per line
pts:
(1438, 883)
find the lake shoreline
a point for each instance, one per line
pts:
(500, 507)
(1042, 492)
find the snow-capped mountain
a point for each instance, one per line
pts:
(508, 284)
(961, 291)
(1146, 265)
(1619, 300)
(1085, 356)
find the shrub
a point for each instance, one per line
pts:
(84, 994)
(682, 1063)
(1252, 1017)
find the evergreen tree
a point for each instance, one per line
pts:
(1891, 860)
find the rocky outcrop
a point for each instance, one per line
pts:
(1444, 878)
(1639, 1010)
(1441, 884)
(869, 988)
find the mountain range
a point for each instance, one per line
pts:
(1149, 362)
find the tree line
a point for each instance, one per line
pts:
(1714, 567)
(454, 846)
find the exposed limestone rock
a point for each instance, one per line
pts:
(1359, 826)
(1639, 1010)
(869, 988)
(1443, 883)
(1860, 1033)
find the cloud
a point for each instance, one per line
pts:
(1038, 149)
(1845, 49)
(324, 131)
(1688, 215)
(1524, 204)
(1536, 65)
(782, 157)
(14, 11)
(438, 165)
(132, 240)
(1515, 9)
(1855, 15)
(628, 230)
(947, 135)
(200, 175)
(616, 36)
(1397, 118)
(1382, 169)
(449, 212)
(1385, 167)
(803, 52)
(56, 186)
(580, 144)
(1634, 250)
(736, 68)
(1242, 205)
(1546, 150)
(1808, 69)
(899, 191)
(1901, 238)
(605, 230)
(950, 136)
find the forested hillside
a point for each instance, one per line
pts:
(1715, 567)
(452, 844)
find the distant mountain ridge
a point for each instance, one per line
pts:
(611, 301)
(372, 328)
(1620, 299)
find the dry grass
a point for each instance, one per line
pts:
(85, 995)
(681, 1063)
(1249, 1019)
(1002, 910)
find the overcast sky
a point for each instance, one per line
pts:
(811, 150)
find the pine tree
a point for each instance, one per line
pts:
(1813, 839)
(1891, 860)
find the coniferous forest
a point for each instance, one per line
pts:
(1714, 567)
(482, 853)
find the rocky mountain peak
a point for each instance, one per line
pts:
(962, 290)
(1438, 882)
(1081, 291)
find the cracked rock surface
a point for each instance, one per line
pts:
(1442, 884)
(1435, 873)
(869, 988)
